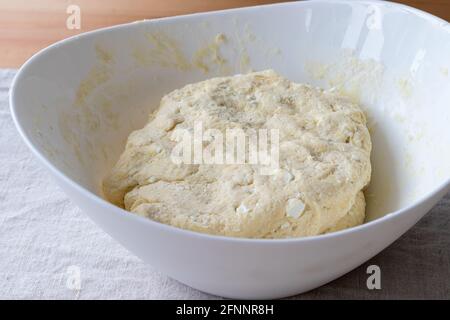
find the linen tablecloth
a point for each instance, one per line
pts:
(50, 250)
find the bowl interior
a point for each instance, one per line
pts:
(78, 101)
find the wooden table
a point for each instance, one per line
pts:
(27, 26)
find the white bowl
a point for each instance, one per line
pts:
(75, 103)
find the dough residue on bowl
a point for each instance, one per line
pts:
(323, 161)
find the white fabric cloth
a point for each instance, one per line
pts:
(50, 250)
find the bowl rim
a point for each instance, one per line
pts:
(21, 73)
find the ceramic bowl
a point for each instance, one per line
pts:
(75, 103)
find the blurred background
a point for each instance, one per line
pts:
(27, 26)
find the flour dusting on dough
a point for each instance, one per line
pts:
(324, 161)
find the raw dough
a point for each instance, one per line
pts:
(324, 161)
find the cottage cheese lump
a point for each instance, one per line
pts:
(323, 161)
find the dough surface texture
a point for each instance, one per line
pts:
(324, 161)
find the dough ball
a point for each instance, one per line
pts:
(323, 161)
